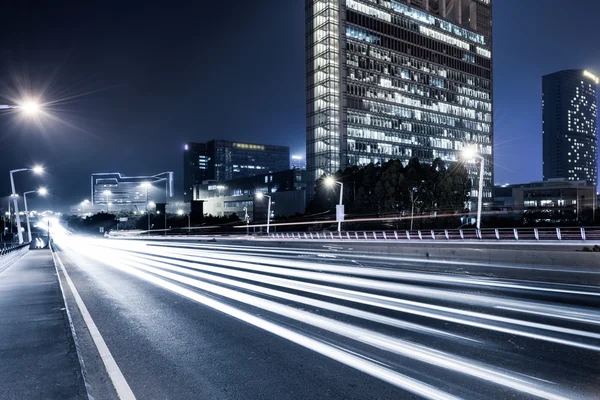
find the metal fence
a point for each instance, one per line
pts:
(8, 255)
(497, 234)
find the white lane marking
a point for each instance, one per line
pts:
(116, 376)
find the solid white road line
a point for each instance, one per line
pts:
(116, 376)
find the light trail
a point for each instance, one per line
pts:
(281, 287)
(393, 287)
(449, 314)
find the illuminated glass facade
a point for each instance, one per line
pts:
(396, 80)
(570, 126)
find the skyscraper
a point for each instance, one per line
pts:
(397, 79)
(570, 126)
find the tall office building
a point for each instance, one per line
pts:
(195, 167)
(570, 126)
(224, 160)
(231, 160)
(396, 80)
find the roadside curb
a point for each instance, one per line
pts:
(72, 328)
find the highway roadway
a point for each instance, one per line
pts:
(218, 321)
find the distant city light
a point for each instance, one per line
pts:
(186, 147)
(296, 157)
(179, 212)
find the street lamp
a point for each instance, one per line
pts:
(28, 107)
(147, 185)
(41, 192)
(36, 170)
(84, 204)
(470, 153)
(180, 212)
(330, 181)
(107, 193)
(259, 196)
(247, 219)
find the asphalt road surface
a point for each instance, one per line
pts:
(213, 321)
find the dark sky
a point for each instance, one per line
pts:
(130, 82)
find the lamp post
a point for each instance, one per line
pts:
(259, 196)
(180, 212)
(247, 219)
(41, 192)
(469, 153)
(28, 107)
(36, 170)
(107, 193)
(84, 204)
(331, 181)
(147, 185)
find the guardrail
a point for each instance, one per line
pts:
(493, 234)
(8, 255)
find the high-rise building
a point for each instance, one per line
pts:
(396, 79)
(570, 126)
(195, 167)
(224, 160)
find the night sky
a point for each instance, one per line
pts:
(129, 82)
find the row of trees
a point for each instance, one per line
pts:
(394, 189)
(110, 221)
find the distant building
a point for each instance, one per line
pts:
(126, 192)
(396, 80)
(223, 198)
(570, 126)
(225, 160)
(558, 197)
(298, 162)
(231, 160)
(195, 167)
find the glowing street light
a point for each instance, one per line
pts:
(84, 204)
(260, 196)
(330, 181)
(30, 107)
(42, 192)
(37, 170)
(107, 193)
(180, 212)
(470, 153)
